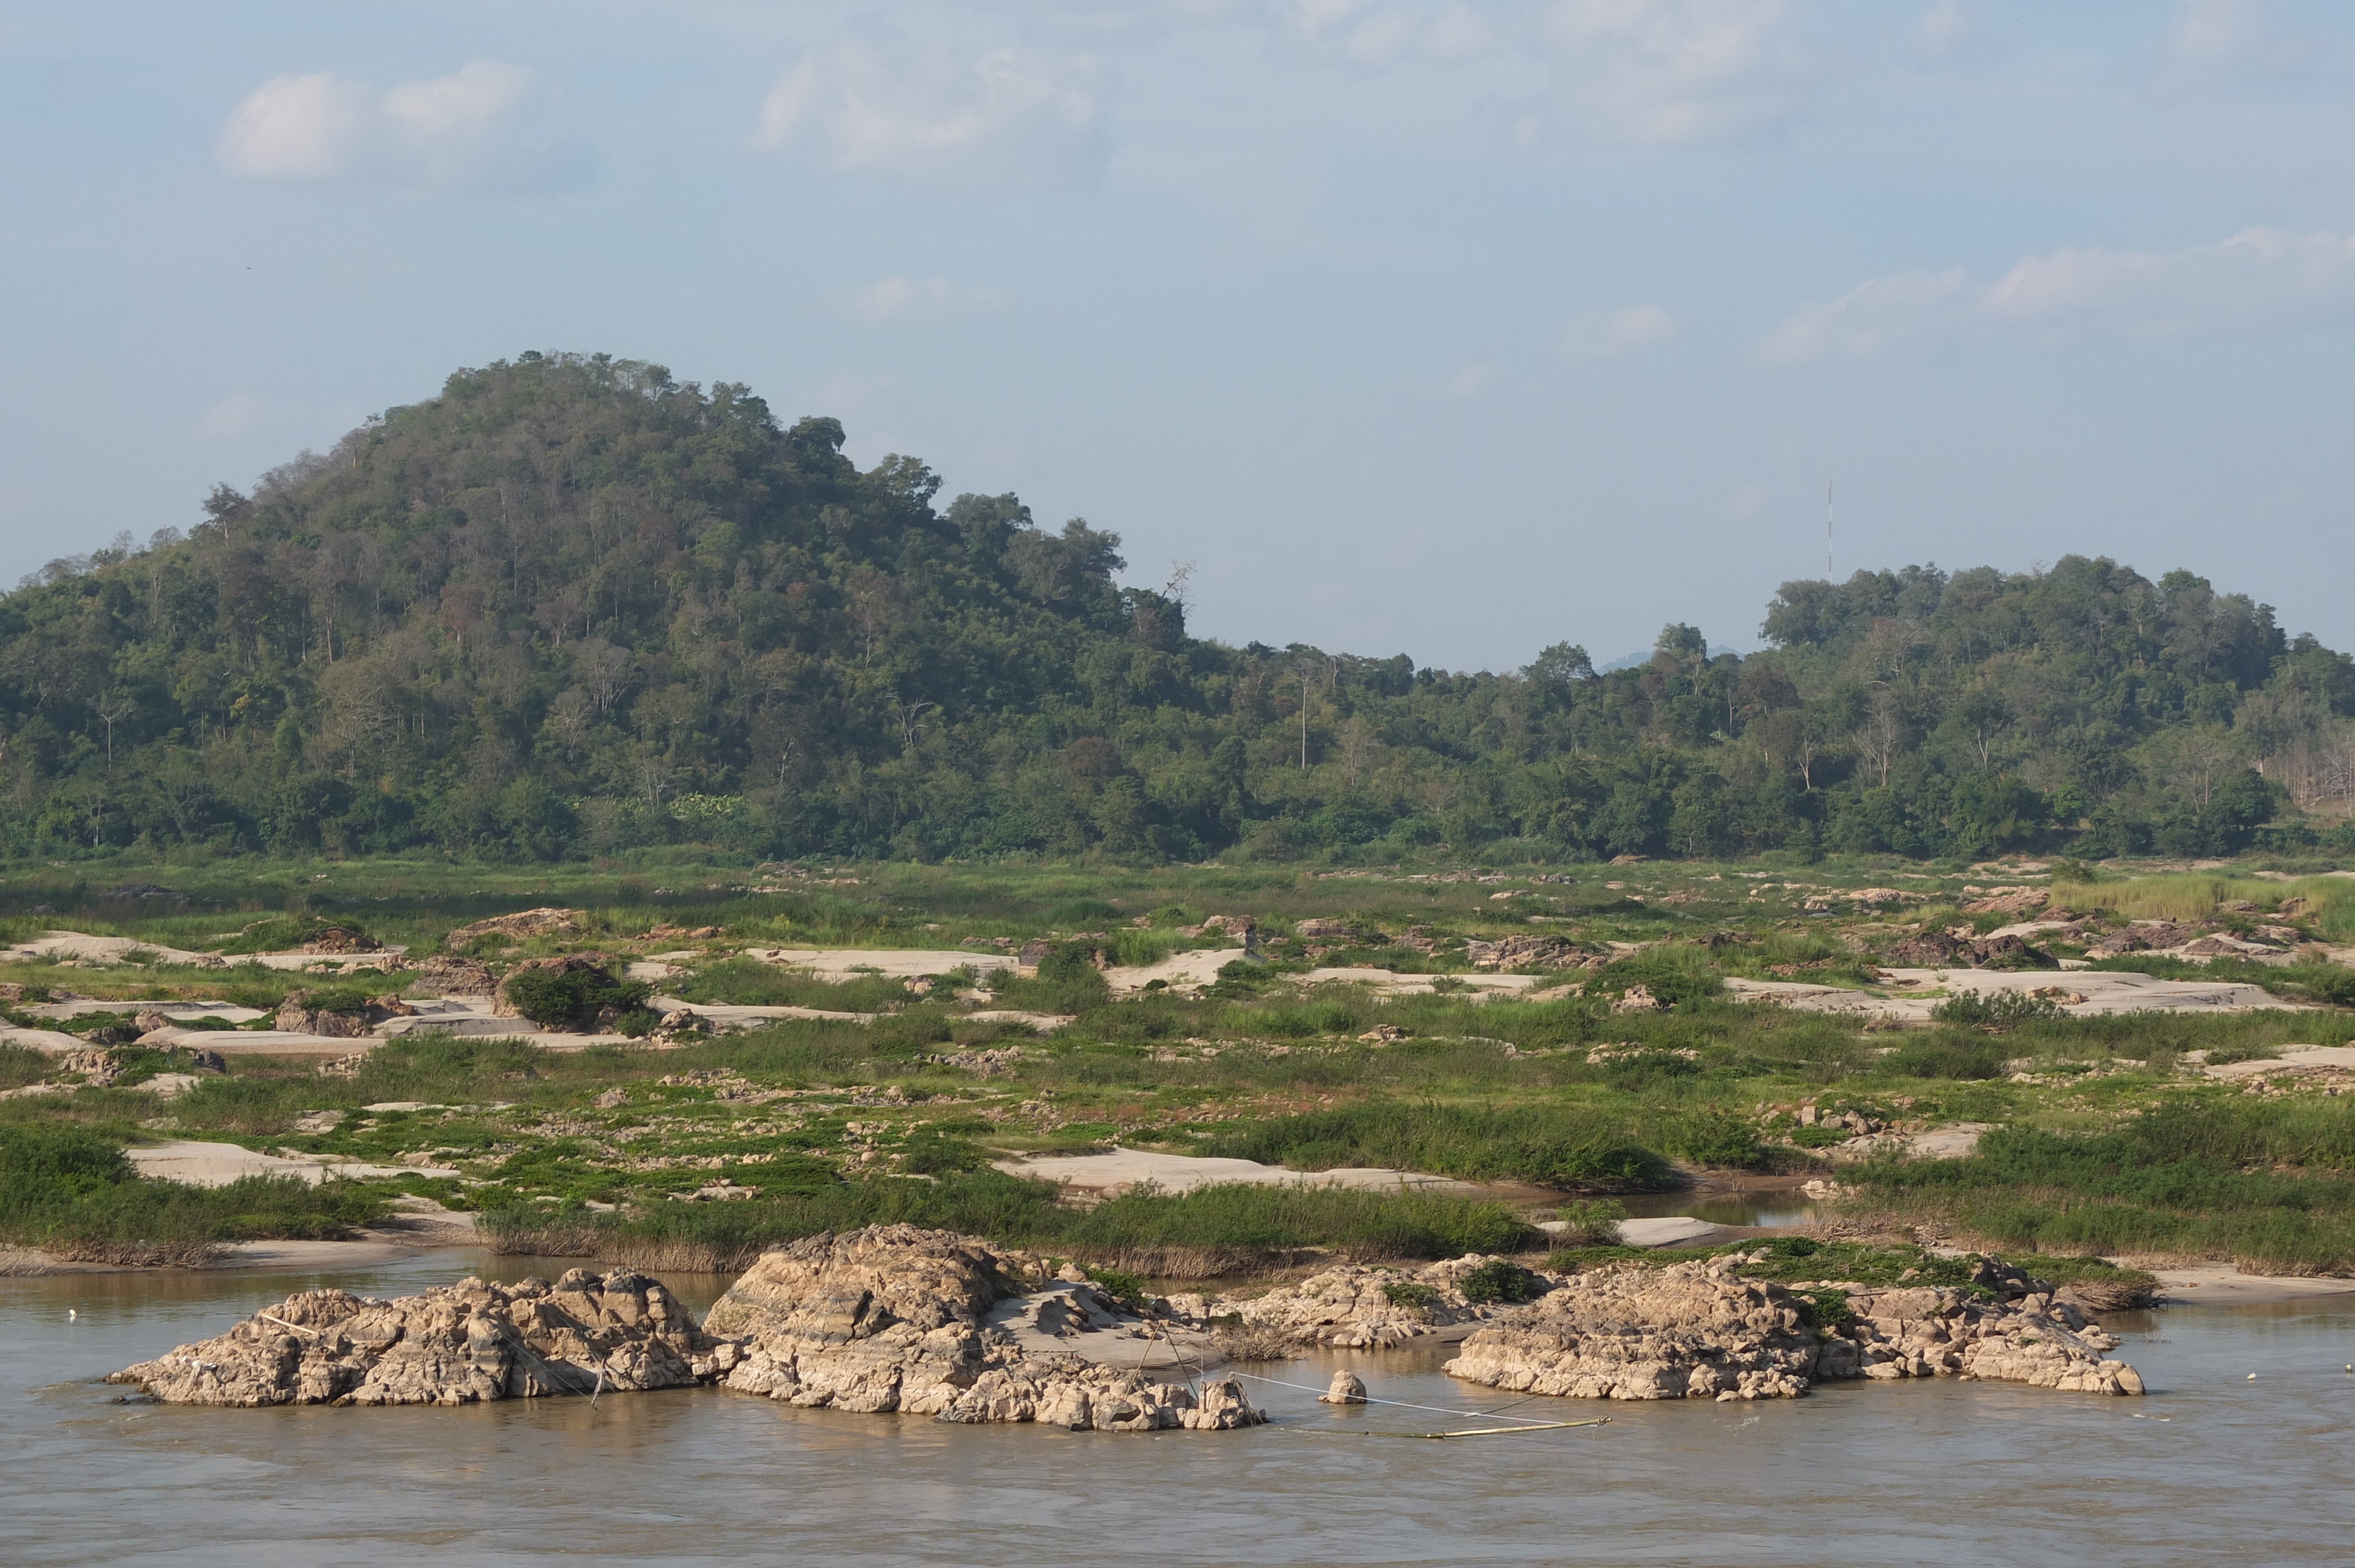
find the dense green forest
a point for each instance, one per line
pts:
(574, 607)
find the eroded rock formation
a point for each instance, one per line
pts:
(1358, 1306)
(1699, 1330)
(924, 1322)
(456, 1344)
(1686, 1331)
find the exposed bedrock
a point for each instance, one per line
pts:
(455, 1344)
(1699, 1330)
(924, 1322)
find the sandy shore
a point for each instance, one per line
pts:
(2221, 1285)
(1107, 1175)
(2105, 991)
(201, 1164)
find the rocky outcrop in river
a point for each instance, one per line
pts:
(1358, 1306)
(1942, 1332)
(1699, 1330)
(456, 1344)
(1686, 1331)
(924, 1322)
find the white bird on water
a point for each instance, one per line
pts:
(72, 1314)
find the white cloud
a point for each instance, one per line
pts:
(1954, 35)
(468, 130)
(2258, 278)
(925, 299)
(1613, 333)
(1677, 71)
(2223, 43)
(1635, 70)
(877, 104)
(1384, 32)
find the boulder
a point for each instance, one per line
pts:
(1696, 1330)
(519, 927)
(296, 1018)
(1529, 952)
(1366, 1307)
(895, 1318)
(1686, 1331)
(331, 940)
(457, 1344)
(456, 977)
(2009, 953)
(1347, 1389)
(1929, 950)
(1940, 1332)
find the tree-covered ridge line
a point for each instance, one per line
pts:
(572, 606)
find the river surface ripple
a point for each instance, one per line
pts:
(1936, 1473)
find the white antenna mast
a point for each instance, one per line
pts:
(1827, 532)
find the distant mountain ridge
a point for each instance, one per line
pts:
(572, 606)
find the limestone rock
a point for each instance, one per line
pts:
(1686, 1331)
(519, 926)
(456, 977)
(1529, 952)
(1361, 1307)
(924, 1322)
(1942, 1332)
(331, 940)
(1347, 1389)
(297, 1015)
(455, 1344)
(1700, 1330)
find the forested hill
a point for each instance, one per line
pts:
(571, 606)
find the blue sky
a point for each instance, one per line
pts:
(1452, 328)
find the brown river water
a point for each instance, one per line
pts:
(2217, 1469)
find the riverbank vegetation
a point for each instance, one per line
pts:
(1354, 1031)
(70, 1192)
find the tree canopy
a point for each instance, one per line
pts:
(572, 606)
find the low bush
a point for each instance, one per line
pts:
(1949, 1056)
(1500, 1280)
(573, 998)
(1995, 1010)
(1593, 1223)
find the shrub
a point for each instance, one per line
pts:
(1715, 1139)
(1123, 1286)
(573, 998)
(1996, 1010)
(1593, 1223)
(1965, 1059)
(1501, 1279)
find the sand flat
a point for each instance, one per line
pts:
(2105, 991)
(1108, 1174)
(905, 963)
